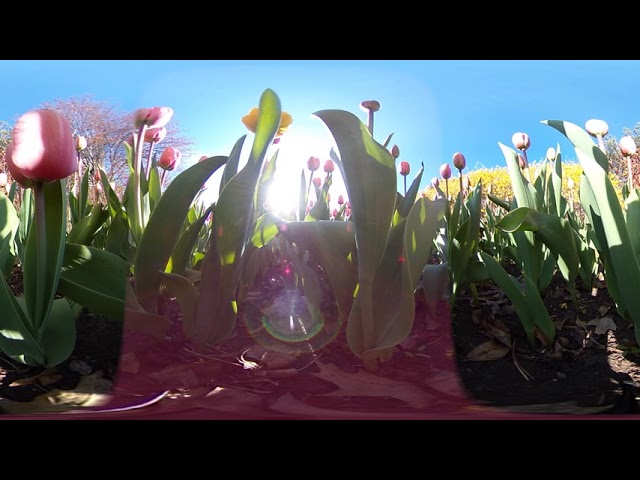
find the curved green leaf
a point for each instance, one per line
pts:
(164, 226)
(231, 167)
(84, 231)
(95, 279)
(181, 255)
(58, 333)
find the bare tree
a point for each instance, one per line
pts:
(106, 129)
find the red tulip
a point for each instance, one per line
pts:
(154, 117)
(169, 159)
(329, 166)
(313, 163)
(155, 135)
(395, 152)
(42, 148)
(370, 105)
(405, 168)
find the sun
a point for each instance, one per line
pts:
(295, 148)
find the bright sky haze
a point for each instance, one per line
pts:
(434, 108)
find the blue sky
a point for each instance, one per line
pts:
(434, 107)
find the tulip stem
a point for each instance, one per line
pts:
(630, 170)
(41, 250)
(137, 197)
(370, 126)
(147, 170)
(79, 184)
(405, 185)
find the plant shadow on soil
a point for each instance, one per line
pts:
(258, 373)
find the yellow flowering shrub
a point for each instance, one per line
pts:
(498, 182)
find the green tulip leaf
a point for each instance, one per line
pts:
(163, 229)
(85, 230)
(95, 279)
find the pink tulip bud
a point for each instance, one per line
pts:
(596, 127)
(334, 213)
(370, 105)
(317, 182)
(202, 158)
(459, 161)
(405, 168)
(521, 141)
(347, 212)
(155, 135)
(154, 117)
(340, 200)
(522, 162)
(435, 182)
(81, 143)
(445, 171)
(313, 163)
(3, 179)
(395, 152)
(329, 166)
(42, 148)
(169, 159)
(627, 146)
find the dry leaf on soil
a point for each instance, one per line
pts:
(602, 325)
(369, 385)
(491, 350)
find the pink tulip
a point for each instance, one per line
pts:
(313, 163)
(340, 200)
(459, 161)
(316, 182)
(405, 168)
(445, 171)
(42, 148)
(370, 105)
(521, 141)
(155, 135)
(335, 213)
(202, 158)
(169, 159)
(627, 146)
(395, 152)
(329, 166)
(154, 117)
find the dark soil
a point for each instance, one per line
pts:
(260, 373)
(591, 365)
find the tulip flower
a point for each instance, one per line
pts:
(551, 154)
(169, 159)
(202, 158)
(313, 164)
(316, 182)
(334, 214)
(445, 173)
(459, 162)
(597, 128)
(153, 136)
(42, 148)
(405, 168)
(340, 200)
(81, 143)
(628, 148)
(329, 167)
(395, 152)
(370, 106)
(250, 121)
(155, 117)
(521, 141)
